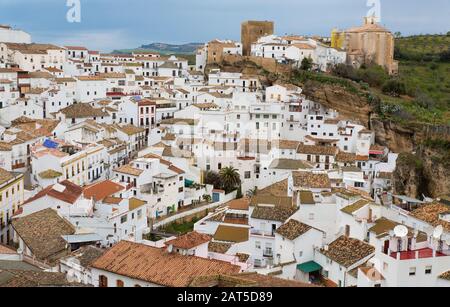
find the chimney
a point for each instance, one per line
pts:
(170, 249)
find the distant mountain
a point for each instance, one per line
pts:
(170, 48)
(164, 48)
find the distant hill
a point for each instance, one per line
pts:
(169, 48)
(164, 48)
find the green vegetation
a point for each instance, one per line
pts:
(307, 64)
(410, 160)
(180, 228)
(425, 71)
(422, 48)
(421, 91)
(228, 179)
(302, 77)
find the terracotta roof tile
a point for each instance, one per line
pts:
(157, 266)
(82, 110)
(431, 214)
(293, 229)
(189, 240)
(311, 180)
(70, 194)
(129, 170)
(42, 231)
(348, 251)
(101, 190)
(317, 150)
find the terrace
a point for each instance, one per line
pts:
(417, 254)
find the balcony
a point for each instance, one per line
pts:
(262, 233)
(268, 253)
(417, 254)
(18, 166)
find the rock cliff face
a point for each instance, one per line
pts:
(427, 171)
(408, 176)
(349, 105)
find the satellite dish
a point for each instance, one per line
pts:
(438, 232)
(401, 231)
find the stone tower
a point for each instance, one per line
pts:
(251, 31)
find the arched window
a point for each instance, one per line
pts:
(103, 281)
(119, 284)
(137, 286)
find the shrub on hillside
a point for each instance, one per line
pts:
(394, 88)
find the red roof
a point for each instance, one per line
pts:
(146, 102)
(70, 194)
(157, 266)
(189, 240)
(99, 191)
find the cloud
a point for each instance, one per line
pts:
(129, 24)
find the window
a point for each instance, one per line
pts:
(412, 271)
(123, 219)
(428, 270)
(103, 281)
(119, 284)
(311, 216)
(247, 175)
(258, 245)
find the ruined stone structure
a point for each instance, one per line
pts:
(251, 31)
(368, 44)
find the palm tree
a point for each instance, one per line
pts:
(230, 178)
(251, 193)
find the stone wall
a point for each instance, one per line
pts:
(271, 65)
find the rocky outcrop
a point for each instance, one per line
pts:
(350, 105)
(408, 176)
(422, 169)
(394, 136)
(436, 170)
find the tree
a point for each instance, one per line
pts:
(213, 178)
(239, 193)
(398, 34)
(251, 193)
(229, 178)
(306, 64)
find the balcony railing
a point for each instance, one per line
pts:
(417, 254)
(262, 233)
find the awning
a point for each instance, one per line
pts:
(309, 267)
(188, 183)
(82, 238)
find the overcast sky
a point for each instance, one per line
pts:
(114, 24)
